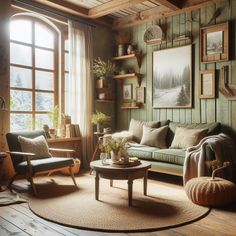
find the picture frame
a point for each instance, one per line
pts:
(140, 94)
(206, 85)
(214, 43)
(127, 91)
(172, 78)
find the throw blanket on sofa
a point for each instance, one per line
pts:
(195, 157)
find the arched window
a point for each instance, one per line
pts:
(34, 72)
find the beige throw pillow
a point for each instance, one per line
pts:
(136, 128)
(154, 137)
(187, 137)
(38, 146)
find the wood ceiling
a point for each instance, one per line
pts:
(120, 14)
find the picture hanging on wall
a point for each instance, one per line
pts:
(172, 78)
(127, 91)
(214, 43)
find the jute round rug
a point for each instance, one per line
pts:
(164, 206)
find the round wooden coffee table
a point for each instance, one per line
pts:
(120, 173)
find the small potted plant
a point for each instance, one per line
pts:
(54, 117)
(99, 118)
(103, 70)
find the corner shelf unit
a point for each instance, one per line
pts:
(137, 55)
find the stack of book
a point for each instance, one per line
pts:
(72, 130)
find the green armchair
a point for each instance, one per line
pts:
(26, 164)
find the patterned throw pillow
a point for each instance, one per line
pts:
(185, 138)
(154, 137)
(38, 146)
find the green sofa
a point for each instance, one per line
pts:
(171, 161)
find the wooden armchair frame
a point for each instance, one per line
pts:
(30, 173)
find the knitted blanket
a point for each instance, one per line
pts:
(195, 158)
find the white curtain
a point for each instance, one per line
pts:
(80, 87)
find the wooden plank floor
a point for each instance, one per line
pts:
(19, 220)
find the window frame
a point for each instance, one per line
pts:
(33, 68)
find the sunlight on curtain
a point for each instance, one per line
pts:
(80, 89)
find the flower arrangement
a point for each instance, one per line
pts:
(100, 118)
(102, 68)
(116, 145)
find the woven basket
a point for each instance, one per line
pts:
(75, 168)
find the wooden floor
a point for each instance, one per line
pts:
(19, 220)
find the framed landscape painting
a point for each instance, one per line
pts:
(172, 78)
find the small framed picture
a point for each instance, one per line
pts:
(214, 43)
(127, 91)
(207, 84)
(140, 94)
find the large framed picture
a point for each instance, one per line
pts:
(214, 43)
(207, 84)
(127, 91)
(172, 78)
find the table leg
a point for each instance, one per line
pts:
(130, 191)
(111, 182)
(94, 157)
(145, 183)
(97, 186)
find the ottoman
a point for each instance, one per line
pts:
(207, 192)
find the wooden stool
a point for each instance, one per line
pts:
(207, 192)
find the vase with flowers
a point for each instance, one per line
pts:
(103, 70)
(115, 147)
(99, 119)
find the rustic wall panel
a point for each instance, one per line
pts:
(203, 110)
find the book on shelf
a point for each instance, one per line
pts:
(72, 130)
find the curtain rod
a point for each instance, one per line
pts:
(52, 11)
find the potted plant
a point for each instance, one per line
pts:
(99, 118)
(54, 117)
(103, 70)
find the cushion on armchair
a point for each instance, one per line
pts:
(37, 145)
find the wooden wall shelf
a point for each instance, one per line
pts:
(137, 55)
(131, 75)
(105, 101)
(125, 107)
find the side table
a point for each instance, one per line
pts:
(3, 155)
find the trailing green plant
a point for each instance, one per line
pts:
(100, 118)
(54, 116)
(103, 68)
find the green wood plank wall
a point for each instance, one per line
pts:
(203, 110)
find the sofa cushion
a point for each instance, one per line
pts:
(136, 128)
(141, 151)
(37, 145)
(154, 137)
(174, 156)
(213, 128)
(187, 137)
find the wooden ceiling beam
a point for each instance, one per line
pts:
(111, 6)
(74, 10)
(158, 13)
(172, 5)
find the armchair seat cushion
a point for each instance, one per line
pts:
(45, 164)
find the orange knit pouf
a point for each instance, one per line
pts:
(206, 192)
